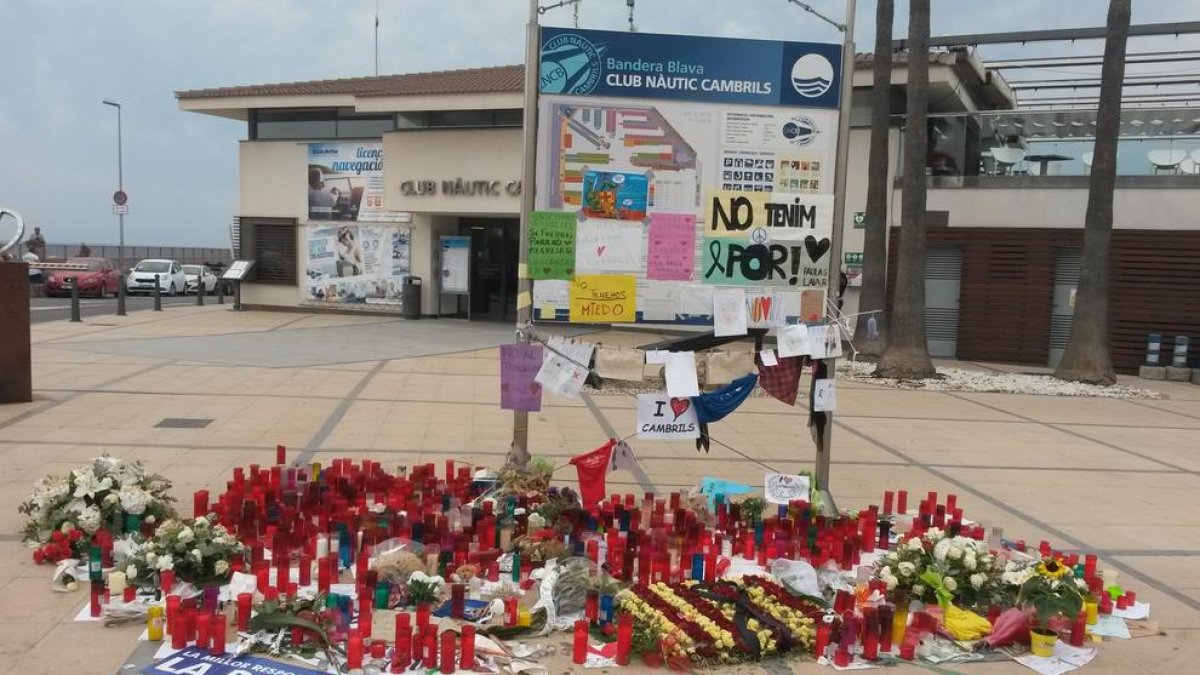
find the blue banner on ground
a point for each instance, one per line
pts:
(197, 662)
(681, 67)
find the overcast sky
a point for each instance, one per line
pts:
(61, 57)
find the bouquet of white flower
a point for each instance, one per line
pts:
(965, 566)
(201, 551)
(108, 493)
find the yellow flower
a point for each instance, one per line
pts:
(1053, 569)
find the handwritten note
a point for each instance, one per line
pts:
(519, 365)
(608, 246)
(782, 488)
(603, 298)
(671, 249)
(793, 340)
(551, 245)
(729, 312)
(681, 374)
(824, 396)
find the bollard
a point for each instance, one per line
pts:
(220, 291)
(121, 294)
(157, 295)
(1179, 358)
(1153, 345)
(200, 291)
(237, 296)
(74, 281)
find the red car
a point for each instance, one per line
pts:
(99, 279)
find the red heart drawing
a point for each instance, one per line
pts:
(680, 406)
(600, 250)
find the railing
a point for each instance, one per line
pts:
(187, 255)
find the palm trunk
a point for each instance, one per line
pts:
(874, 284)
(906, 355)
(1087, 358)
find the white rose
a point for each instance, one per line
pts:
(915, 544)
(892, 557)
(891, 582)
(934, 534)
(165, 562)
(907, 569)
(918, 590)
(197, 555)
(151, 556)
(131, 572)
(969, 561)
(977, 580)
(185, 535)
(67, 527)
(885, 571)
(201, 522)
(950, 584)
(150, 519)
(221, 567)
(954, 553)
(940, 550)
(112, 498)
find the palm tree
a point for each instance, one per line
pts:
(874, 286)
(906, 355)
(1087, 358)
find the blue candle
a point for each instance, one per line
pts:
(606, 609)
(698, 566)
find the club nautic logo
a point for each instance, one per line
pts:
(570, 65)
(812, 75)
(799, 130)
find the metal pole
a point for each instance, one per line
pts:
(74, 281)
(157, 294)
(120, 216)
(519, 453)
(841, 168)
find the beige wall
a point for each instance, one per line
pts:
(1133, 209)
(271, 179)
(467, 154)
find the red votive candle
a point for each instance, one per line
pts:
(130, 594)
(1132, 596)
(951, 502)
(1079, 629)
(624, 638)
(97, 594)
(280, 454)
(244, 602)
(305, 570)
(173, 604)
(888, 498)
(202, 629)
(166, 580)
(423, 617)
(902, 501)
(354, 651)
(887, 614)
(510, 611)
(430, 647)
(579, 650)
(1089, 566)
(467, 649)
(822, 641)
(457, 601)
(200, 503)
(448, 651)
(179, 638)
(402, 655)
(378, 649)
(365, 615)
(216, 634)
(908, 650)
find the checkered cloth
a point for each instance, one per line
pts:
(783, 380)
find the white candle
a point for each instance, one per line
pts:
(322, 546)
(116, 583)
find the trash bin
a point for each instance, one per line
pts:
(410, 298)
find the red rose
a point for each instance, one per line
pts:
(76, 535)
(56, 536)
(38, 556)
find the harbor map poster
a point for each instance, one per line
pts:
(688, 164)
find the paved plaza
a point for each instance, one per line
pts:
(1118, 477)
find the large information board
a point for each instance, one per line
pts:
(671, 166)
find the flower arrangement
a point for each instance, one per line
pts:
(939, 562)
(108, 493)
(423, 588)
(200, 551)
(1047, 587)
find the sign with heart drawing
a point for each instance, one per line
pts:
(661, 417)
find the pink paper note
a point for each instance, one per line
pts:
(671, 252)
(519, 364)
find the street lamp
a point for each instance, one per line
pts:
(120, 216)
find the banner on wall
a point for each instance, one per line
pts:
(345, 182)
(357, 264)
(684, 164)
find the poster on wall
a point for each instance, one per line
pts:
(456, 265)
(356, 264)
(345, 181)
(690, 164)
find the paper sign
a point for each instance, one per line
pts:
(768, 358)
(1139, 610)
(782, 488)
(546, 312)
(696, 301)
(519, 365)
(729, 312)
(781, 216)
(824, 396)
(730, 261)
(717, 486)
(603, 298)
(793, 340)
(193, 660)
(551, 245)
(763, 309)
(681, 374)
(1066, 658)
(833, 341)
(671, 247)
(608, 246)
(656, 357)
(660, 416)
(564, 366)
(616, 363)
(657, 300)
(1110, 625)
(812, 305)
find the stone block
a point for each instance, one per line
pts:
(16, 375)
(1179, 374)
(1152, 373)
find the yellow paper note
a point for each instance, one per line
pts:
(524, 299)
(603, 298)
(522, 271)
(546, 312)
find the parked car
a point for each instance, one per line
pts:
(171, 278)
(99, 279)
(199, 275)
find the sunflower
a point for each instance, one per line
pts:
(1053, 569)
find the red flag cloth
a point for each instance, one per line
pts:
(591, 468)
(781, 381)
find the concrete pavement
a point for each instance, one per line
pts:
(1112, 476)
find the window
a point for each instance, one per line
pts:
(317, 123)
(271, 244)
(459, 119)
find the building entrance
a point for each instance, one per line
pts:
(494, 251)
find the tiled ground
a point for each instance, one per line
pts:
(1119, 477)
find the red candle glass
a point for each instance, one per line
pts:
(449, 638)
(467, 650)
(579, 648)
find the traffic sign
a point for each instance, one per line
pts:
(120, 209)
(120, 198)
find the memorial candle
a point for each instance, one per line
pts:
(429, 647)
(580, 645)
(902, 502)
(280, 454)
(402, 655)
(203, 625)
(422, 617)
(200, 503)
(354, 651)
(449, 649)
(97, 588)
(624, 638)
(244, 603)
(467, 649)
(888, 497)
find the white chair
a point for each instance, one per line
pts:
(1007, 157)
(1189, 166)
(1087, 160)
(1167, 160)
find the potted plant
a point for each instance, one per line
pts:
(1050, 591)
